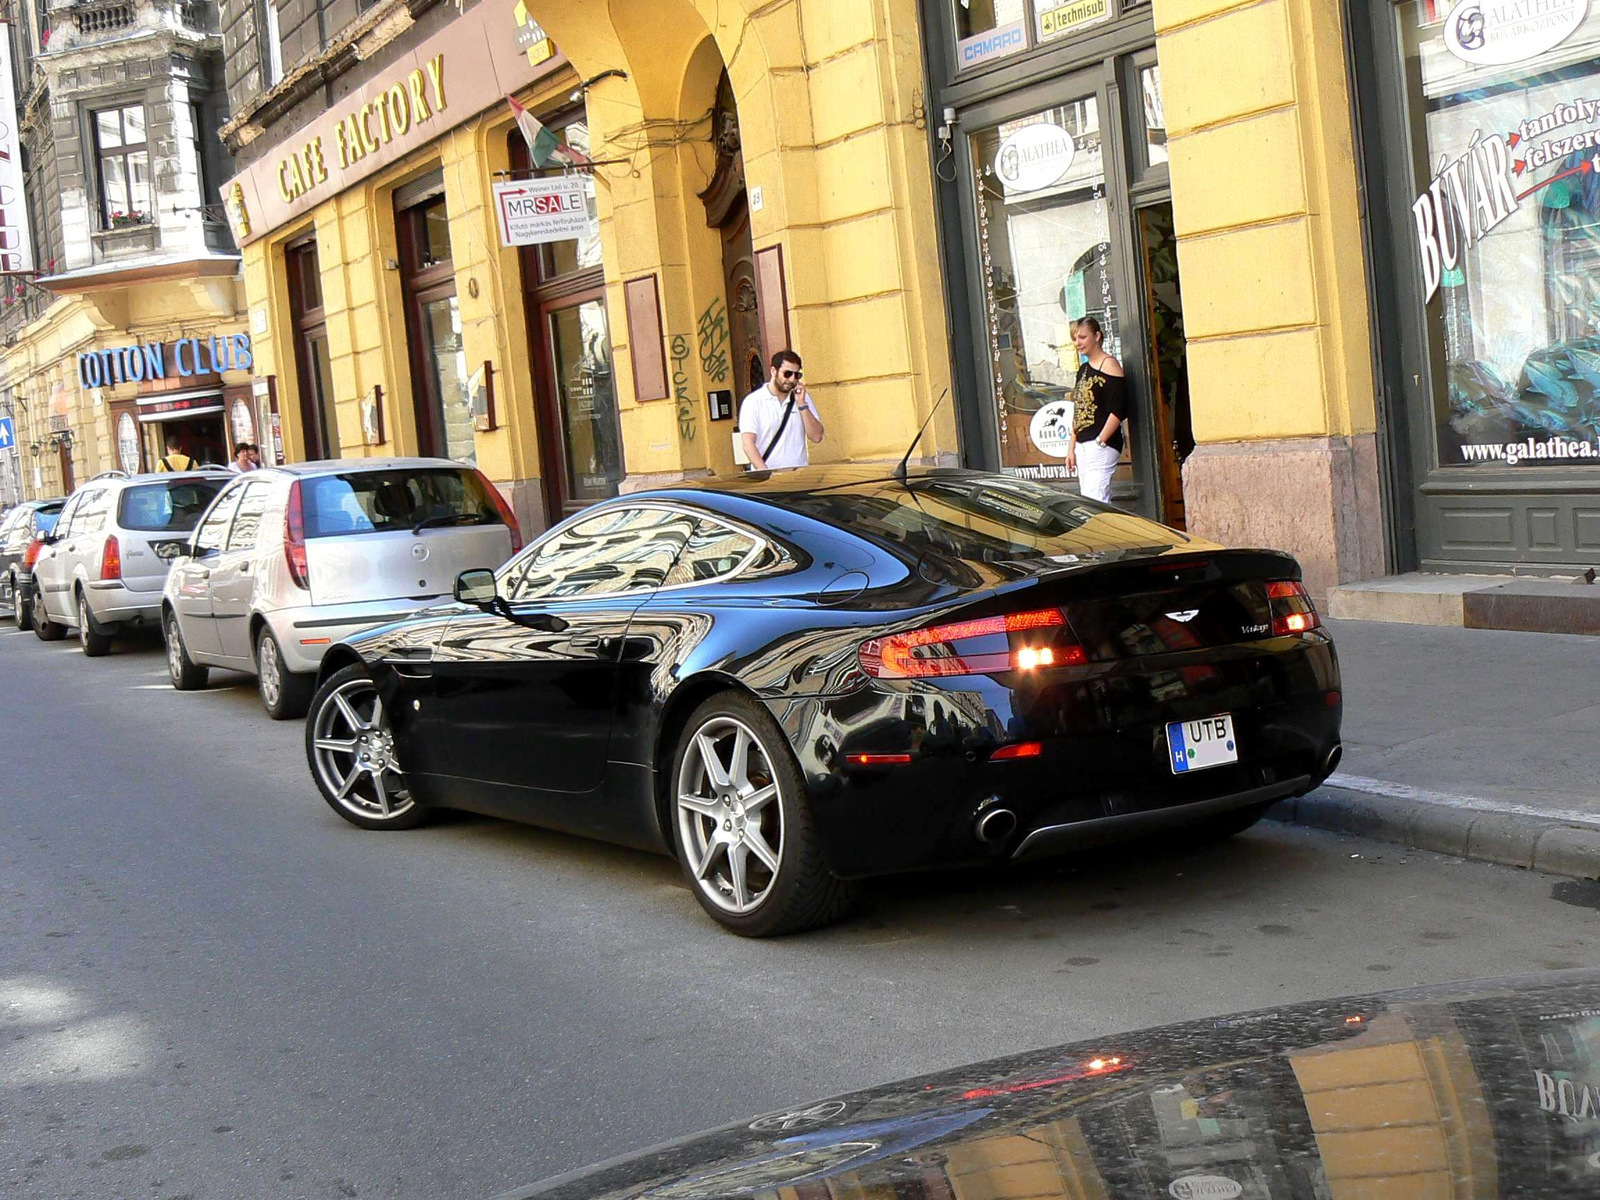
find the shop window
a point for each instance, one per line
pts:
(123, 161)
(1155, 115)
(433, 324)
(1044, 247)
(313, 369)
(1505, 219)
(580, 254)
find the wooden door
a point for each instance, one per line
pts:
(747, 363)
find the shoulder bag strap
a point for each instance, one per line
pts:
(782, 425)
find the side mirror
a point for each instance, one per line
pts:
(476, 588)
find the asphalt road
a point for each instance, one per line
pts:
(210, 986)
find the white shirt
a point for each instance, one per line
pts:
(760, 413)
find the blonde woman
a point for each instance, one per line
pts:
(1100, 412)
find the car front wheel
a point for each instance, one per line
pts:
(742, 827)
(351, 750)
(46, 629)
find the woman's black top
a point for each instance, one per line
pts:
(1098, 396)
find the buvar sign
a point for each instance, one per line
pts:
(1501, 32)
(535, 211)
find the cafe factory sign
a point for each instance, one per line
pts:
(182, 358)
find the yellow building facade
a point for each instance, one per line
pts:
(761, 181)
(112, 367)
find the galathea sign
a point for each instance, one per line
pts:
(536, 211)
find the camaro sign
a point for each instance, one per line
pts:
(535, 211)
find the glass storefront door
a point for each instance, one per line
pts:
(586, 402)
(447, 364)
(1045, 241)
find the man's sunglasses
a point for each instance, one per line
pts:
(794, 374)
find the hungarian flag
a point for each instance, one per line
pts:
(544, 147)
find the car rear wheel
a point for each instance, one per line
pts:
(21, 610)
(95, 641)
(350, 746)
(186, 674)
(46, 629)
(743, 830)
(284, 694)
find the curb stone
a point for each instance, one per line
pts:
(1514, 840)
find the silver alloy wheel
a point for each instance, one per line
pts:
(267, 668)
(83, 620)
(355, 753)
(730, 816)
(17, 606)
(174, 651)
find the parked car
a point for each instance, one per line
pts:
(20, 526)
(288, 560)
(102, 568)
(793, 680)
(1484, 1089)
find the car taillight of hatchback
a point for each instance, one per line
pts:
(31, 554)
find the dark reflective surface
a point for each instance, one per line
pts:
(771, 584)
(1461, 1091)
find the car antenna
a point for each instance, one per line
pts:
(900, 472)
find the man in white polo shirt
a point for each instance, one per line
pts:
(778, 419)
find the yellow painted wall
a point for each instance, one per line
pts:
(1265, 201)
(44, 359)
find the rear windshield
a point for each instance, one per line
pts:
(167, 507)
(44, 521)
(386, 501)
(983, 520)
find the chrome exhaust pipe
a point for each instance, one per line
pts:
(995, 825)
(1331, 763)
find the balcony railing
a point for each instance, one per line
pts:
(102, 19)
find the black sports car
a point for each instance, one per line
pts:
(794, 680)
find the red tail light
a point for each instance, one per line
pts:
(31, 554)
(294, 539)
(935, 651)
(111, 559)
(1017, 750)
(504, 509)
(1292, 610)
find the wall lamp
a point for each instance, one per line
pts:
(56, 441)
(594, 79)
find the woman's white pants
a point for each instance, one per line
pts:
(1095, 465)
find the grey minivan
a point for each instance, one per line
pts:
(289, 560)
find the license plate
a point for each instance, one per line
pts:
(1196, 745)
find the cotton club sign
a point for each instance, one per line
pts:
(183, 358)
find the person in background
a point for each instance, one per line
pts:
(1100, 411)
(242, 460)
(175, 459)
(255, 455)
(778, 419)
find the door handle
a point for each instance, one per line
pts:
(412, 671)
(588, 641)
(205, 573)
(244, 568)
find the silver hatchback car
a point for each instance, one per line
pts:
(288, 560)
(102, 567)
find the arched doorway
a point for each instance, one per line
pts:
(727, 204)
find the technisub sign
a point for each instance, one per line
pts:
(992, 44)
(182, 358)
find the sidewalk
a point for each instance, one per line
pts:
(1471, 742)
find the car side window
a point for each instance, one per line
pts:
(619, 550)
(246, 531)
(713, 550)
(65, 522)
(91, 516)
(214, 525)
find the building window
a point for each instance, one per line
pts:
(271, 45)
(989, 30)
(434, 331)
(202, 173)
(313, 366)
(124, 166)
